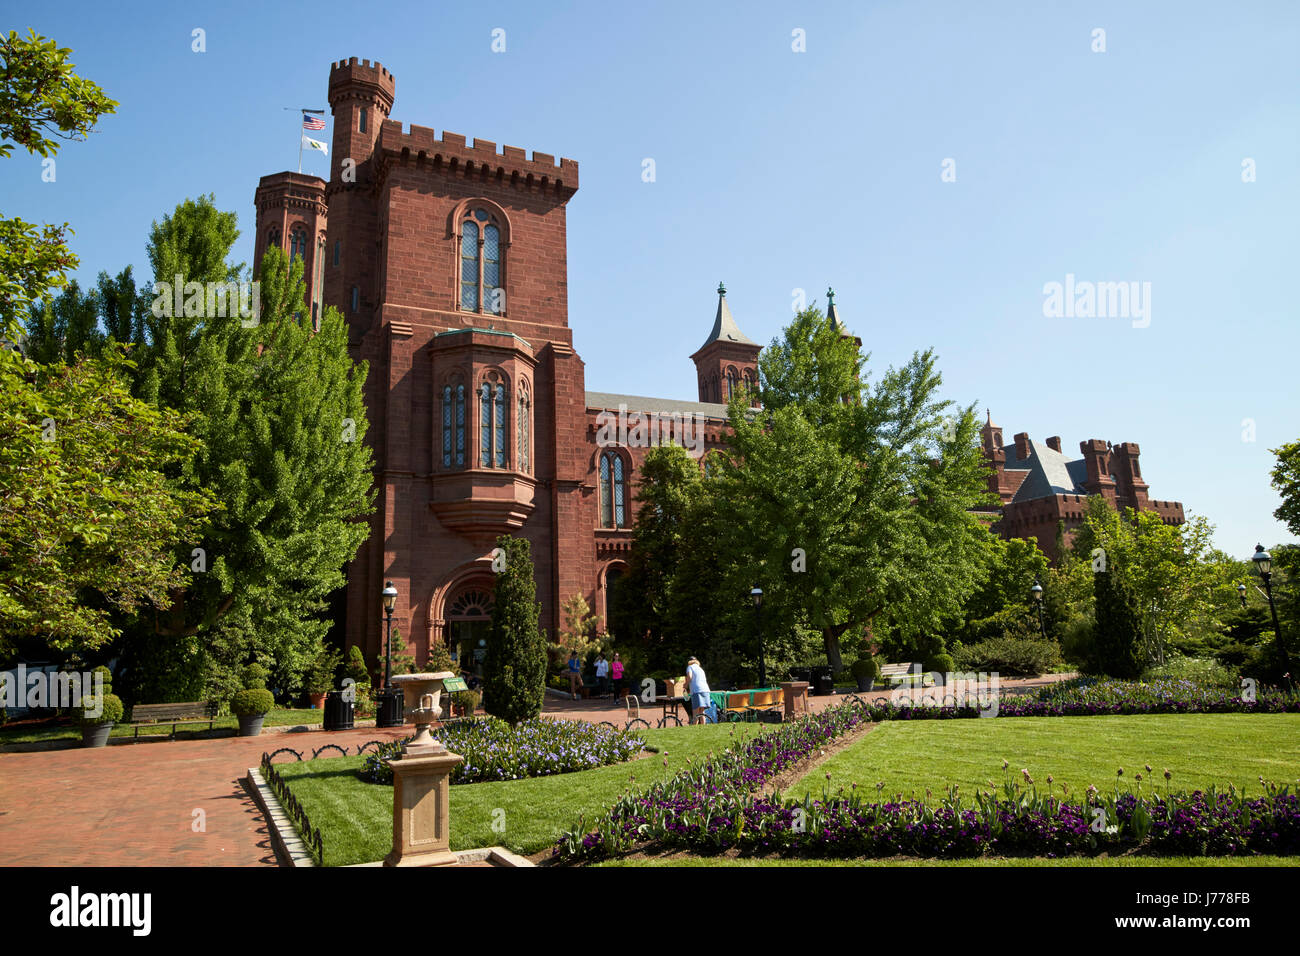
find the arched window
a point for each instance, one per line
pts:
(492, 422)
(480, 264)
(297, 243)
(613, 491)
(522, 426)
(731, 382)
(453, 425)
(272, 237)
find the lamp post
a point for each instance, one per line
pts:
(756, 595)
(1264, 565)
(390, 602)
(1241, 592)
(1036, 592)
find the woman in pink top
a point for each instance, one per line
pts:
(616, 672)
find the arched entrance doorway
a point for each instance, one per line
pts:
(469, 614)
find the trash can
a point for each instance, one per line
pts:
(823, 682)
(338, 712)
(801, 674)
(388, 708)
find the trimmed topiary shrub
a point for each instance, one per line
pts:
(250, 702)
(255, 676)
(865, 668)
(941, 663)
(1118, 634)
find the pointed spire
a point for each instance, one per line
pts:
(833, 314)
(724, 326)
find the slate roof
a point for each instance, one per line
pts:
(1050, 472)
(724, 326)
(665, 406)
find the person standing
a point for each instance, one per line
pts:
(697, 685)
(575, 674)
(602, 675)
(616, 669)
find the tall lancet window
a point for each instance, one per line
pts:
(613, 491)
(522, 423)
(480, 264)
(492, 422)
(453, 425)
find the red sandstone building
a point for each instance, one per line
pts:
(448, 260)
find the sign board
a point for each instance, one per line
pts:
(452, 684)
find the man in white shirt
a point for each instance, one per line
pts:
(602, 674)
(697, 685)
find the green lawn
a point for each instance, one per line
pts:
(72, 731)
(1199, 749)
(356, 818)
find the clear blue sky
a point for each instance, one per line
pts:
(779, 170)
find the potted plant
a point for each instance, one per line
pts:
(252, 704)
(466, 702)
(97, 722)
(320, 678)
(865, 671)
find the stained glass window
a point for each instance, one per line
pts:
(500, 399)
(447, 412)
(613, 491)
(485, 425)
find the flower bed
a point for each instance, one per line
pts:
(494, 750)
(718, 807)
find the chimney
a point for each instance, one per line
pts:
(1022, 445)
(1054, 443)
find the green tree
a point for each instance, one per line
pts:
(1118, 645)
(279, 410)
(514, 670)
(42, 101)
(853, 501)
(89, 522)
(1286, 479)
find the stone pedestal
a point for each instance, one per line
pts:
(421, 833)
(796, 697)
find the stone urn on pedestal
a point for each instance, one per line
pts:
(421, 834)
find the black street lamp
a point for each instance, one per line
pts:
(1241, 592)
(1036, 592)
(390, 602)
(756, 594)
(1264, 565)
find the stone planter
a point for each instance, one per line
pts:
(96, 735)
(250, 725)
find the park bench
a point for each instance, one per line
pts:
(190, 712)
(898, 672)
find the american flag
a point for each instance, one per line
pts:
(312, 122)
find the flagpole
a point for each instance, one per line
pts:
(300, 134)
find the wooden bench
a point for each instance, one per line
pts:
(190, 712)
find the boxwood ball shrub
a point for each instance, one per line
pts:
(254, 700)
(865, 668)
(112, 710)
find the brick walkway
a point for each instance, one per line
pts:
(133, 804)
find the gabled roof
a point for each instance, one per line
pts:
(1050, 472)
(724, 326)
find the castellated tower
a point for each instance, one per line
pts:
(361, 97)
(291, 214)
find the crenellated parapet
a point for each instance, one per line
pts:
(452, 155)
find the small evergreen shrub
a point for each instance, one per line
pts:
(254, 700)
(941, 663)
(255, 676)
(865, 668)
